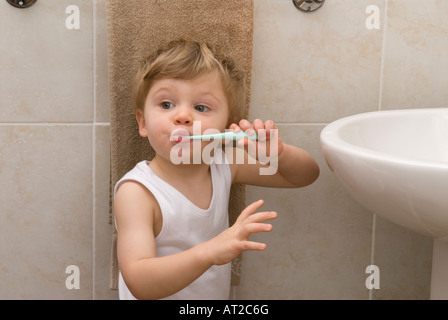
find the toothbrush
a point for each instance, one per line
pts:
(229, 135)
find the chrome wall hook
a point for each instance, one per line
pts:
(308, 5)
(21, 3)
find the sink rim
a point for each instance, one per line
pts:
(330, 138)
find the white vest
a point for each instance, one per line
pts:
(186, 225)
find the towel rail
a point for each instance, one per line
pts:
(21, 3)
(308, 5)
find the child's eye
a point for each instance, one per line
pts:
(201, 108)
(166, 105)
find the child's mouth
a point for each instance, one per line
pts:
(180, 135)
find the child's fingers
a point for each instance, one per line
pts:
(270, 130)
(247, 127)
(245, 124)
(255, 223)
(245, 142)
(234, 127)
(257, 227)
(258, 125)
(250, 209)
(252, 245)
(260, 217)
(249, 130)
(269, 125)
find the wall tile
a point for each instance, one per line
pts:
(46, 70)
(404, 259)
(315, 67)
(46, 210)
(416, 63)
(101, 71)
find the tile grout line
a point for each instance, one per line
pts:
(94, 97)
(372, 252)
(380, 101)
(383, 54)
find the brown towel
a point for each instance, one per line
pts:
(136, 28)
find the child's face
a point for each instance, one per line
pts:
(173, 104)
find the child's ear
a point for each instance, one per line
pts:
(141, 123)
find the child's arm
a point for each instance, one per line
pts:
(150, 277)
(295, 167)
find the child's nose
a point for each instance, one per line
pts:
(183, 116)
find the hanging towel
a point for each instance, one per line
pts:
(136, 28)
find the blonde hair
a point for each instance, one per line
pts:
(186, 59)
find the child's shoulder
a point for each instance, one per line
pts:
(133, 197)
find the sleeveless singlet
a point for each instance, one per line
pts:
(186, 225)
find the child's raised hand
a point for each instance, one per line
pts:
(230, 243)
(267, 135)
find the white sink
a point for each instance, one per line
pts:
(395, 163)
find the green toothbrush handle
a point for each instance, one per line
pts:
(230, 135)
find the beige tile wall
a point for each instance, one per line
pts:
(309, 69)
(415, 63)
(54, 151)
